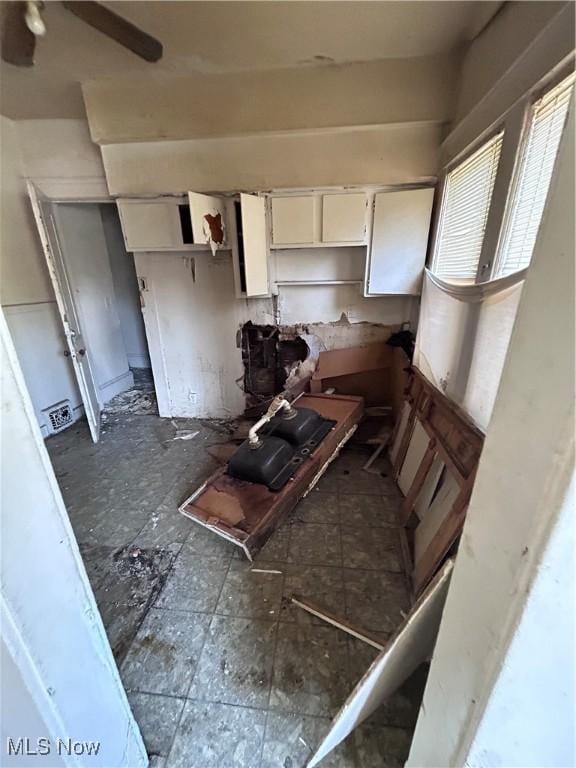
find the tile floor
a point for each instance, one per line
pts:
(220, 668)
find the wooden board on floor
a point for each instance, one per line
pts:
(410, 645)
(248, 513)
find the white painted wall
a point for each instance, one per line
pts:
(25, 290)
(538, 728)
(192, 317)
(490, 627)
(392, 154)
(84, 248)
(198, 105)
(62, 676)
(36, 331)
(125, 289)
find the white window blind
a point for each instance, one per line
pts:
(465, 205)
(528, 198)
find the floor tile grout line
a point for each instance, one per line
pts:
(193, 676)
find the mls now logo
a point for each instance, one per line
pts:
(44, 746)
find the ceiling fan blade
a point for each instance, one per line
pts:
(120, 30)
(18, 42)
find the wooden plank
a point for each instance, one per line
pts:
(419, 478)
(409, 646)
(342, 624)
(248, 513)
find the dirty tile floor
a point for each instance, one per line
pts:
(220, 668)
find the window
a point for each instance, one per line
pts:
(530, 190)
(465, 205)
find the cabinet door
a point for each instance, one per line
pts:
(255, 243)
(150, 225)
(293, 220)
(208, 220)
(397, 251)
(344, 218)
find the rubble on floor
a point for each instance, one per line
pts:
(222, 668)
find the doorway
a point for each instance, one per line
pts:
(103, 340)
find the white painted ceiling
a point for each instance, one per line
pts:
(227, 37)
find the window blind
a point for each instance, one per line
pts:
(530, 191)
(466, 202)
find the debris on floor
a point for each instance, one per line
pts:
(140, 399)
(197, 631)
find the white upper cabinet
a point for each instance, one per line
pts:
(344, 218)
(253, 245)
(155, 225)
(293, 220)
(208, 220)
(397, 252)
(317, 219)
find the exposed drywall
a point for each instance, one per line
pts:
(522, 483)
(81, 236)
(193, 319)
(199, 106)
(394, 154)
(327, 304)
(50, 621)
(125, 290)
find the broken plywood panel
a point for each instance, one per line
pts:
(410, 645)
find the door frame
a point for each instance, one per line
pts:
(66, 305)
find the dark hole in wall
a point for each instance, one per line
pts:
(268, 354)
(185, 224)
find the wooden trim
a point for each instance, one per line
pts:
(458, 443)
(342, 624)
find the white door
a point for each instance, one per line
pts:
(208, 220)
(255, 238)
(77, 350)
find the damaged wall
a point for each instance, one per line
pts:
(193, 319)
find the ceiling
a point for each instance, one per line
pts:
(230, 37)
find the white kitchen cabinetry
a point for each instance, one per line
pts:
(155, 225)
(173, 224)
(208, 217)
(319, 219)
(399, 241)
(344, 218)
(294, 220)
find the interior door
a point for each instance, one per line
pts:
(208, 220)
(255, 238)
(44, 215)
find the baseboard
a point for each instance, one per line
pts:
(116, 386)
(139, 361)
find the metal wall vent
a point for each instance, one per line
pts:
(59, 416)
